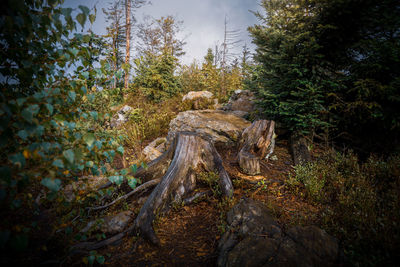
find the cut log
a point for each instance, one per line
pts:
(257, 142)
(191, 154)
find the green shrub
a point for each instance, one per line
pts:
(360, 203)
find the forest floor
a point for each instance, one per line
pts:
(189, 234)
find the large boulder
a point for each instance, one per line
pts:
(241, 103)
(256, 239)
(199, 100)
(219, 126)
(121, 116)
(193, 95)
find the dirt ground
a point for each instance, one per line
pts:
(189, 234)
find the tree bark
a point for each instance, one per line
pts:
(191, 154)
(257, 142)
(128, 39)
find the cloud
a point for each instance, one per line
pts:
(203, 20)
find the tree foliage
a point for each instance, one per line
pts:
(156, 66)
(330, 65)
(49, 132)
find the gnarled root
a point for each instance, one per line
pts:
(191, 153)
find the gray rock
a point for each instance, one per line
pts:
(121, 116)
(219, 126)
(85, 183)
(154, 149)
(255, 238)
(193, 95)
(241, 102)
(111, 224)
(116, 224)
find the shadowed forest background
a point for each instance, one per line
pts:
(326, 71)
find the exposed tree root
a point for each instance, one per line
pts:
(141, 188)
(191, 154)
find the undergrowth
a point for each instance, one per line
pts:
(361, 203)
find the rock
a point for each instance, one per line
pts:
(116, 224)
(111, 224)
(154, 149)
(199, 100)
(121, 116)
(220, 126)
(84, 183)
(241, 102)
(193, 95)
(255, 238)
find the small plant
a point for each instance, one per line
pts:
(211, 179)
(360, 202)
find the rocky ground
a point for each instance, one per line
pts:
(264, 223)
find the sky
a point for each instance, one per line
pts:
(203, 20)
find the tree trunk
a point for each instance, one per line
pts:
(191, 154)
(257, 142)
(128, 39)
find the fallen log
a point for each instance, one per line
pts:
(257, 142)
(191, 154)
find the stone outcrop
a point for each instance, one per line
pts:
(255, 238)
(199, 100)
(193, 95)
(219, 126)
(241, 103)
(121, 116)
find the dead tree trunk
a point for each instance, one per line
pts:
(190, 154)
(257, 142)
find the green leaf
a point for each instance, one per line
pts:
(89, 164)
(92, 18)
(81, 18)
(116, 179)
(100, 259)
(134, 168)
(58, 163)
(91, 259)
(94, 114)
(84, 9)
(21, 101)
(120, 150)
(53, 185)
(49, 108)
(89, 139)
(69, 155)
(22, 134)
(72, 95)
(85, 74)
(132, 182)
(17, 159)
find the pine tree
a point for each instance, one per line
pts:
(291, 83)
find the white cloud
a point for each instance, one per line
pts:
(203, 20)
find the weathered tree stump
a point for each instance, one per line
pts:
(299, 149)
(258, 141)
(188, 154)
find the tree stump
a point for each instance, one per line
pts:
(258, 141)
(188, 154)
(299, 149)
